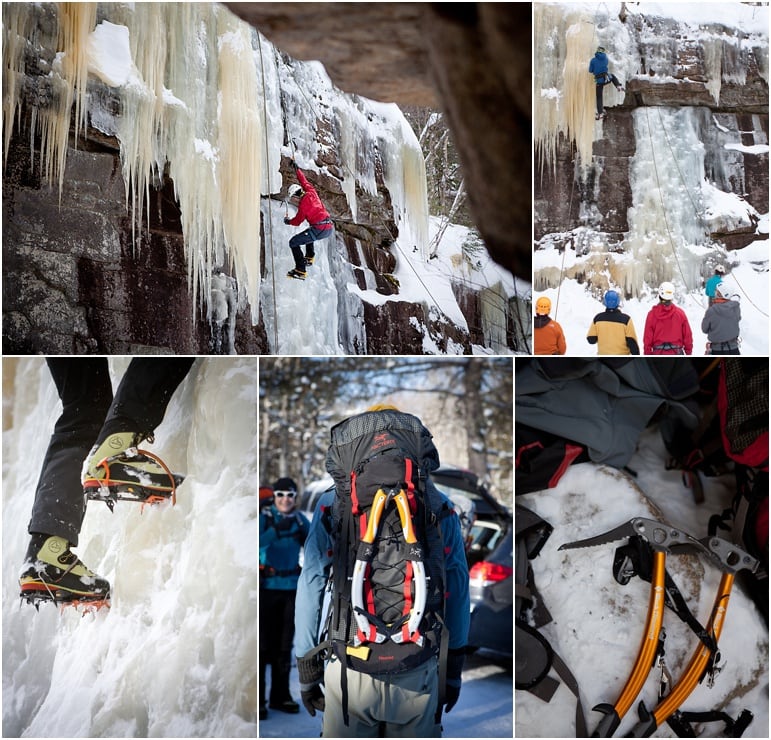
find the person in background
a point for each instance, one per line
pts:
(283, 532)
(721, 322)
(667, 331)
(613, 331)
(548, 337)
(713, 282)
(598, 66)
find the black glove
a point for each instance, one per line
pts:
(286, 220)
(313, 698)
(293, 164)
(311, 672)
(284, 524)
(455, 660)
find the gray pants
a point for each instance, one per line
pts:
(384, 706)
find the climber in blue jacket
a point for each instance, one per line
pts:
(598, 66)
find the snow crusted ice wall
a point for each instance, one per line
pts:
(638, 195)
(176, 654)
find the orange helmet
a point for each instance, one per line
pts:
(543, 306)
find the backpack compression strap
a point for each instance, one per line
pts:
(370, 627)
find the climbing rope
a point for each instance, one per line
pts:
(270, 210)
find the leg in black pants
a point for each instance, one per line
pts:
(89, 416)
(276, 638)
(86, 393)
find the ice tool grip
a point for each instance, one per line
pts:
(701, 657)
(366, 629)
(406, 517)
(645, 655)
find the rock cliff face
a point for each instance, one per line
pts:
(82, 275)
(696, 96)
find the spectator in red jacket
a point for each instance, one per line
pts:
(667, 331)
(310, 209)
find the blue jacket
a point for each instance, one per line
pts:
(599, 64)
(712, 284)
(281, 537)
(318, 560)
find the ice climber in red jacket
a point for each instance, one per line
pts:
(310, 209)
(667, 331)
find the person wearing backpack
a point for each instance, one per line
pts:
(389, 545)
(282, 533)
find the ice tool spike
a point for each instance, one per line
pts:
(662, 539)
(730, 559)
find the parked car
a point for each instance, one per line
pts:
(491, 588)
(492, 520)
(309, 498)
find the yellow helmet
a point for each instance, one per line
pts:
(382, 407)
(543, 306)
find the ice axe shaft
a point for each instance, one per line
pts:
(730, 559)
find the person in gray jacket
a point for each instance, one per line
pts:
(721, 322)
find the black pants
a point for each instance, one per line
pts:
(89, 415)
(276, 638)
(601, 88)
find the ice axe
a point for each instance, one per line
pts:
(663, 539)
(730, 559)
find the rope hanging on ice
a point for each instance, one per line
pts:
(270, 210)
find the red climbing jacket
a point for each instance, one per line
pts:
(311, 208)
(667, 331)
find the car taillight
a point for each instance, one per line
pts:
(486, 572)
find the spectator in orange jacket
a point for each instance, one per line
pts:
(310, 209)
(548, 337)
(667, 331)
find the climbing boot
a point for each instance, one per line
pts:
(52, 572)
(118, 470)
(297, 274)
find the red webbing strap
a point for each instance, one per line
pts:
(354, 496)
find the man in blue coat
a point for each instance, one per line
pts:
(404, 704)
(598, 66)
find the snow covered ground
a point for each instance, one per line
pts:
(176, 654)
(483, 710)
(574, 308)
(597, 622)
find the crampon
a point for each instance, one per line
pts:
(39, 593)
(142, 486)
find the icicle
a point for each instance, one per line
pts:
(240, 137)
(564, 90)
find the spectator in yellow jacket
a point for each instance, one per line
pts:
(612, 330)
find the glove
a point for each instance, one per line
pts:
(311, 672)
(284, 524)
(455, 660)
(293, 164)
(312, 698)
(286, 220)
